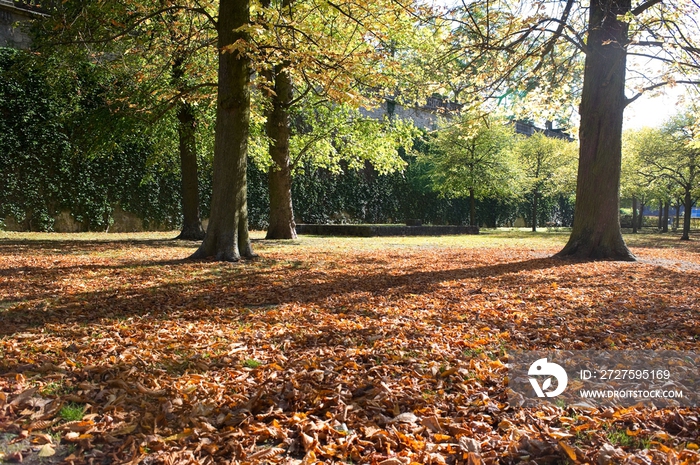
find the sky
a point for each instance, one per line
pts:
(649, 111)
(646, 111)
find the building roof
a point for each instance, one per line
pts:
(528, 129)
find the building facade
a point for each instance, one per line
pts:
(14, 22)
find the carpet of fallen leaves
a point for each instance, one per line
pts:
(379, 351)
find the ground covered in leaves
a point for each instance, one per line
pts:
(114, 349)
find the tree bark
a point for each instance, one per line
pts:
(640, 218)
(596, 233)
(282, 225)
(664, 226)
(688, 205)
(472, 208)
(227, 236)
(634, 214)
(191, 222)
(661, 214)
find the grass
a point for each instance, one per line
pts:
(72, 412)
(251, 363)
(487, 238)
(619, 437)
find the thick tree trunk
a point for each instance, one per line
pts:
(634, 215)
(664, 227)
(279, 177)
(191, 223)
(688, 206)
(227, 234)
(596, 233)
(472, 208)
(534, 210)
(661, 214)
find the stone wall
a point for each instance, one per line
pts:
(13, 25)
(122, 221)
(422, 117)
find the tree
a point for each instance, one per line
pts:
(329, 136)
(163, 49)
(676, 158)
(227, 237)
(469, 157)
(636, 180)
(532, 48)
(596, 232)
(312, 52)
(541, 157)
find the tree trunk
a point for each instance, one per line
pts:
(534, 210)
(634, 214)
(191, 223)
(279, 177)
(186, 130)
(640, 218)
(661, 214)
(227, 234)
(688, 205)
(472, 208)
(678, 214)
(596, 233)
(664, 226)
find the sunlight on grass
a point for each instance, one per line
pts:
(544, 240)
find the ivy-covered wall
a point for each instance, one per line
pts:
(51, 160)
(68, 164)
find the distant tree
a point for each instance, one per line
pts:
(541, 158)
(637, 181)
(677, 158)
(665, 163)
(329, 136)
(469, 157)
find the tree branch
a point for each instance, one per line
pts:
(645, 6)
(656, 86)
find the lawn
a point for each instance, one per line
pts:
(114, 348)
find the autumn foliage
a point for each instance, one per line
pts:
(385, 351)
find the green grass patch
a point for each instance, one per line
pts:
(72, 412)
(251, 363)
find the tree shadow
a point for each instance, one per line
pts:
(63, 246)
(655, 240)
(233, 287)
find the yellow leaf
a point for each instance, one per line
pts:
(691, 446)
(568, 449)
(176, 437)
(662, 448)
